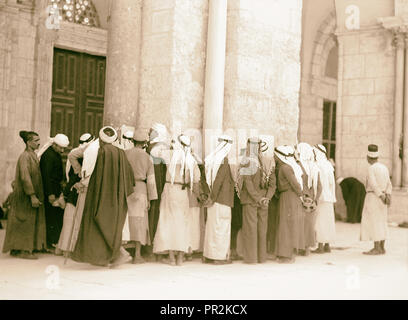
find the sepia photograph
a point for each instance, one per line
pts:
(203, 154)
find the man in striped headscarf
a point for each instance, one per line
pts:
(218, 226)
(256, 187)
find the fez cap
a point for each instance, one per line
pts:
(372, 151)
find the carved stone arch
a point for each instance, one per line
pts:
(324, 43)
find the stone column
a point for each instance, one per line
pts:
(123, 63)
(214, 72)
(339, 112)
(398, 109)
(405, 125)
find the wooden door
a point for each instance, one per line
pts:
(78, 90)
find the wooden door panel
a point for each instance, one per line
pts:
(78, 91)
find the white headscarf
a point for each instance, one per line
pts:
(60, 139)
(181, 155)
(89, 161)
(214, 160)
(307, 158)
(84, 142)
(286, 155)
(326, 174)
(162, 133)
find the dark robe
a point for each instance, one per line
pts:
(52, 177)
(273, 216)
(160, 170)
(111, 182)
(354, 195)
(236, 220)
(310, 217)
(70, 193)
(26, 225)
(290, 208)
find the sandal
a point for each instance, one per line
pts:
(372, 252)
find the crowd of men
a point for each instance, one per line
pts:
(149, 197)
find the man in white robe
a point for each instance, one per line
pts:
(374, 217)
(218, 227)
(325, 220)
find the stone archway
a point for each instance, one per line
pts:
(324, 43)
(316, 86)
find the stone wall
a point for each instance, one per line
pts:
(262, 76)
(367, 98)
(26, 64)
(173, 63)
(317, 41)
(17, 78)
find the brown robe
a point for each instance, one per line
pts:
(26, 225)
(290, 210)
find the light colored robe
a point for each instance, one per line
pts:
(325, 220)
(137, 222)
(374, 225)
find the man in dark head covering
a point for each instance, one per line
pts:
(374, 224)
(256, 188)
(112, 181)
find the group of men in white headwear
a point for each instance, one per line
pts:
(154, 194)
(306, 193)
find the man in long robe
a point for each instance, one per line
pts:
(145, 191)
(73, 171)
(354, 193)
(312, 189)
(290, 191)
(325, 225)
(112, 181)
(374, 226)
(218, 227)
(26, 231)
(52, 176)
(158, 143)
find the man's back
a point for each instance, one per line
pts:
(378, 179)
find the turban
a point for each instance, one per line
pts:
(106, 138)
(61, 140)
(85, 138)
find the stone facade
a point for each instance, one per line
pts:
(173, 63)
(262, 70)
(26, 62)
(262, 76)
(367, 99)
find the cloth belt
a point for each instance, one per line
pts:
(183, 185)
(140, 180)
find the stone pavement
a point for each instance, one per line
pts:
(343, 274)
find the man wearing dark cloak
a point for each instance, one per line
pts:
(354, 193)
(100, 236)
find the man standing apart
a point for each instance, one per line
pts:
(374, 217)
